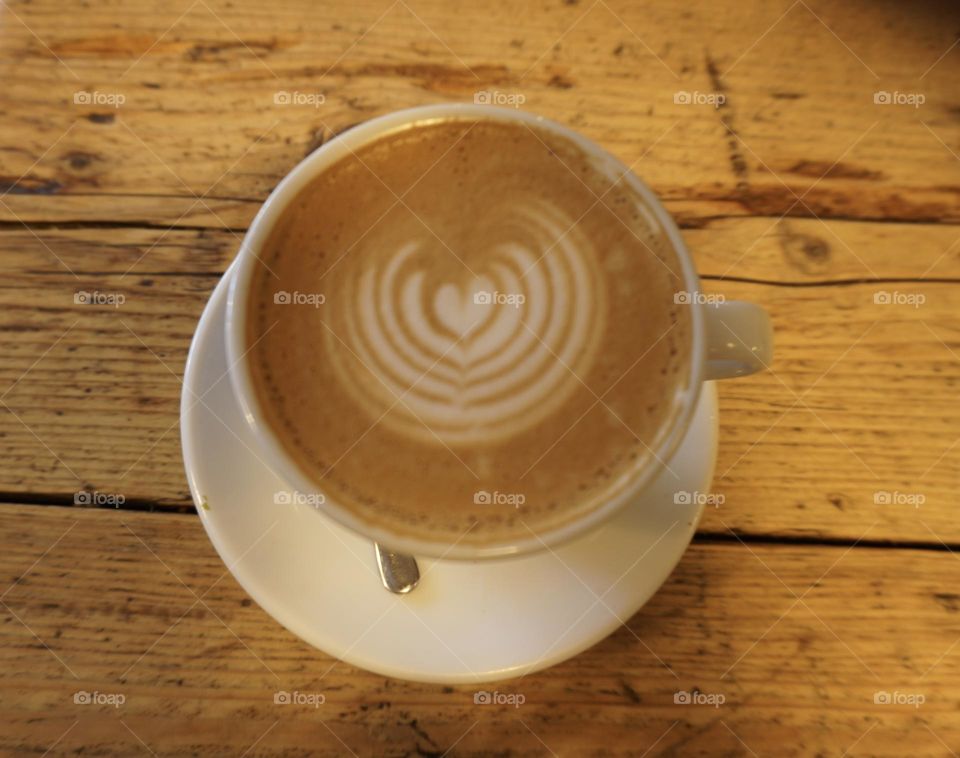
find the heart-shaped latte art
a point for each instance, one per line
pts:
(458, 310)
(481, 358)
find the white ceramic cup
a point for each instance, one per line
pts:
(729, 338)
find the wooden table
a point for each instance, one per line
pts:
(138, 141)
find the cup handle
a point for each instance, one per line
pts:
(739, 339)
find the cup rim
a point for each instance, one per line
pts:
(272, 448)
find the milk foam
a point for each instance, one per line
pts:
(483, 356)
(500, 330)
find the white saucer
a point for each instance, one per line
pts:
(466, 621)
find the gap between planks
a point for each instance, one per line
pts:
(706, 537)
(691, 223)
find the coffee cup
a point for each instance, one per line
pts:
(379, 302)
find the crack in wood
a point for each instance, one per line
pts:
(102, 225)
(737, 160)
(701, 537)
(833, 282)
(736, 536)
(64, 499)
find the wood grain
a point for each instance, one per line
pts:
(798, 81)
(756, 248)
(798, 192)
(99, 613)
(859, 400)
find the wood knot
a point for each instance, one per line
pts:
(79, 160)
(806, 252)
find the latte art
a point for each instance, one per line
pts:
(482, 357)
(498, 348)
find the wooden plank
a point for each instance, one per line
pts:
(765, 249)
(162, 211)
(87, 607)
(798, 116)
(853, 430)
(126, 253)
(860, 400)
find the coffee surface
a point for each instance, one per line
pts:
(467, 331)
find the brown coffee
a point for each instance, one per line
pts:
(467, 331)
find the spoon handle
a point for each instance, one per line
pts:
(398, 572)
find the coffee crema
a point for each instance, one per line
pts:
(466, 331)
